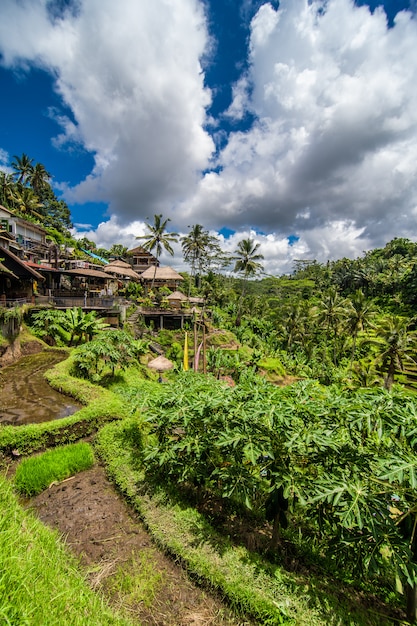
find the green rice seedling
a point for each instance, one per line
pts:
(35, 474)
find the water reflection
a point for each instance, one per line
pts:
(26, 397)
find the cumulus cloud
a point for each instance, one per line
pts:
(333, 151)
(130, 73)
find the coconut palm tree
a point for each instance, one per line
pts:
(157, 239)
(38, 179)
(247, 259)
(23, 168)
(359, 313)
(7, 186)
(198, 248)
(27, 203)
(331, 311)
(395, 344)
(247, 263)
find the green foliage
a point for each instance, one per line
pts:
(272, 365)
(68, 327)
(334, 456)
(114, 350)
(251, 585)
(10, 321)
(35, 474)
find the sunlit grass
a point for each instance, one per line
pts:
(40, 584)
(35, 474)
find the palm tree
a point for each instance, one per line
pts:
(23, 168)
(358, 315)
(330, 312)
(118, 250)
(38, 178)
(158, 239)
(396, 345)
(248, 264)
(198, 248)
(247, 259)
(27, 203)
(7, 186)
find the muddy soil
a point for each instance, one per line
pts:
(113, 546)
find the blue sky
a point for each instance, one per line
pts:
(292, 122)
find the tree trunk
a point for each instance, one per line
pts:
(411, 595)
(389, 379)
(275, 533)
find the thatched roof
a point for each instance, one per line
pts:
(161, 364)
(177, 295)
(86, 272)
(161, 273)
(140, 250)
(119, 263)
(120, 268)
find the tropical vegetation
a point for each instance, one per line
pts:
(304, 427)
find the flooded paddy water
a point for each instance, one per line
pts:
(26, 397)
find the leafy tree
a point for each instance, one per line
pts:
(331, 312)
(359, 315)
(118, 250)
(7, 187)
(70, 326)
(27, 203)
(158, 239)
(48, 324)
(38, 178)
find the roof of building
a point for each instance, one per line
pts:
(161, 273)
(86, 272)
(177, 295)
(139, 250)
(19, 267)
(5, 270)
(120, 268)
(39, 266)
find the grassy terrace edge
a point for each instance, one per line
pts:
(39, 590)
(101, 406)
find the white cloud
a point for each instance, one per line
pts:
(130, 72)
(334, 147)
(331, 157)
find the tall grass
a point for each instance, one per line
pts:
(35, 474)
(39, 581)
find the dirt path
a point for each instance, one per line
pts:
(114, 546)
